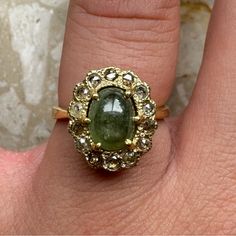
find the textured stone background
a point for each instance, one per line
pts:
(31, 36)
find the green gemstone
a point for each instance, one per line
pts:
(112, 119)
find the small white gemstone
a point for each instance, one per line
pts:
(83, 144)
(149, 108)
(82, 91)
(111, 74)
(112, 163)
(149, 124)
(75, 127)
(75, 109)
(144, 144)
(128, 79)
(94, 80)
(130, 158)
(94, 160)
(141, 91)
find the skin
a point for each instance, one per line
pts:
(186, 184)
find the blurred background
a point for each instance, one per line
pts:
(31, 39)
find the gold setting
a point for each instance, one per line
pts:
(145, 120)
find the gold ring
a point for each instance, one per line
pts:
(112, 118)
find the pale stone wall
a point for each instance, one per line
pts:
(31, 36)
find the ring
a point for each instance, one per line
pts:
(112, 118)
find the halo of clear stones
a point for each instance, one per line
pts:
(78, 125)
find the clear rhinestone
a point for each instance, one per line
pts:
(130, 158)
(94, 160)
(111, 74)
(141, 91)
(75, 128)
(112, 163)
(144, 144)
(94, 80)
(75, 109)
(128, 79)
(149, 108)
(149, 124)
(83, 144)
(82, 92)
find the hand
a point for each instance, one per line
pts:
(186, 184)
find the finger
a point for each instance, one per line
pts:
(210, 119)
(138, 35)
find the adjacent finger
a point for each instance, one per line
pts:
(209, 123)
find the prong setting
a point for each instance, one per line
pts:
(86, 121)
(96, 146)
(128, 142)
(131, 144)
(95, 96)
(128, 93)
(137, 119)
